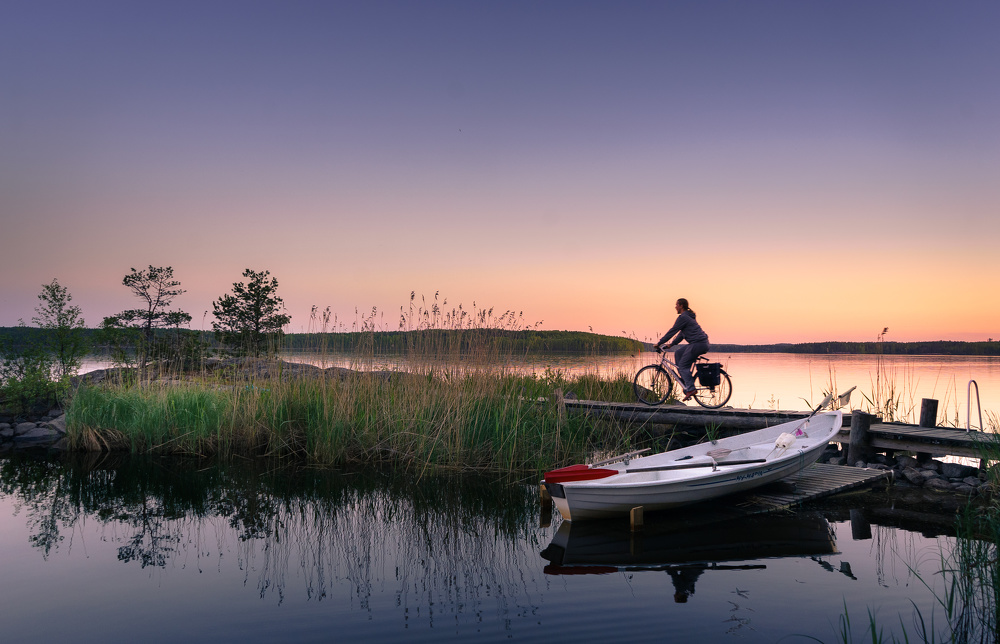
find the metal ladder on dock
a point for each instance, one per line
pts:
(968, 408)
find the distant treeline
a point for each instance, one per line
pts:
(528, 341)
(931, 348)
(464, 340)
(540, 342)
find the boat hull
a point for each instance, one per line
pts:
(666, 488)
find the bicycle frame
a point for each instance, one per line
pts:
(646, 382)
(666, 361)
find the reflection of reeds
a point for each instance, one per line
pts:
(459, 405)
(442, 546)
(966, 587)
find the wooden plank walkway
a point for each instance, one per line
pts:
(815, 482)
(935, 440)
(680, 414)
(883, 436)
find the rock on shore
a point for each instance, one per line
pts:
(930, 475)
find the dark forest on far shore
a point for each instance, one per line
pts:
(533, 341)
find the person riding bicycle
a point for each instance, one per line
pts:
(685, 328)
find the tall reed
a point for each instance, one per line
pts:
(459, 405)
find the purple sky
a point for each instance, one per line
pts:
(798, 170)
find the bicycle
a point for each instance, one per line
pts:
(654, 383)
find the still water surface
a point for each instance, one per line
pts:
(792, 381)
(115, 549)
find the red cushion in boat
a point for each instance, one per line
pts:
(577, 473)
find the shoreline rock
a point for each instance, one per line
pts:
(938, 476)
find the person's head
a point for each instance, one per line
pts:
(682, 305)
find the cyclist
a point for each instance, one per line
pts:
(685, 328)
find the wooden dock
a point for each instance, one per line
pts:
(940, 441)
(680, 414)
(814, 482)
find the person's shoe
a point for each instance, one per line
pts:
(688, 395)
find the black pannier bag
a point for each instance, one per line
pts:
(708, 373)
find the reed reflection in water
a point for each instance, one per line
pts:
(264, 551)
(447, 545)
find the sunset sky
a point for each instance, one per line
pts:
(800, 171)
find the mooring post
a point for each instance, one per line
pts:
(546, 506)
(928, 418)
(859, 448)
(560, 406)
(860, 528)
(635, 519)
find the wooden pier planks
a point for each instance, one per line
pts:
(726, 418)
(883, 436)
(936, 440)
(815, 482)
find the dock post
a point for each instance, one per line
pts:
(635, 519)
(546, 506)
(861, 529)
(560, 405)
(928, 418)
(859, 448)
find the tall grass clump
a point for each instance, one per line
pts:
(182, 418)
(459, 405)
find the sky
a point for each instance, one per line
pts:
(799, 171)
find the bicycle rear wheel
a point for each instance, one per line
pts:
(652, 385)
(717, 396)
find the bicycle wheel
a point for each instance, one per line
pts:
(652, 385)
(717, 396)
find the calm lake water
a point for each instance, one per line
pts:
(116, 549)
(795, 381)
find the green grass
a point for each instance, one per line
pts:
(481, 419)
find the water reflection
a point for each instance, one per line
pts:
(599, 546)
(447, 541)
(685, 551)
(188, 548)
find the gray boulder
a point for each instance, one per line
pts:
(38, 435)
(915, 476)
(24, 428)
(906, 461)
(972, 481)
(939, 484)
(957, 470)
(58, 425)
(965, 489)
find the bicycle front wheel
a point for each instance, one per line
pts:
(717, 396)
(652, 385)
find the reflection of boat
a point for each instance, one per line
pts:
(692, 474)
(608, 546)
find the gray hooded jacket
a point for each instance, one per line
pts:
(687, 329)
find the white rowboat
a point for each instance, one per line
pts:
(692, 474)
